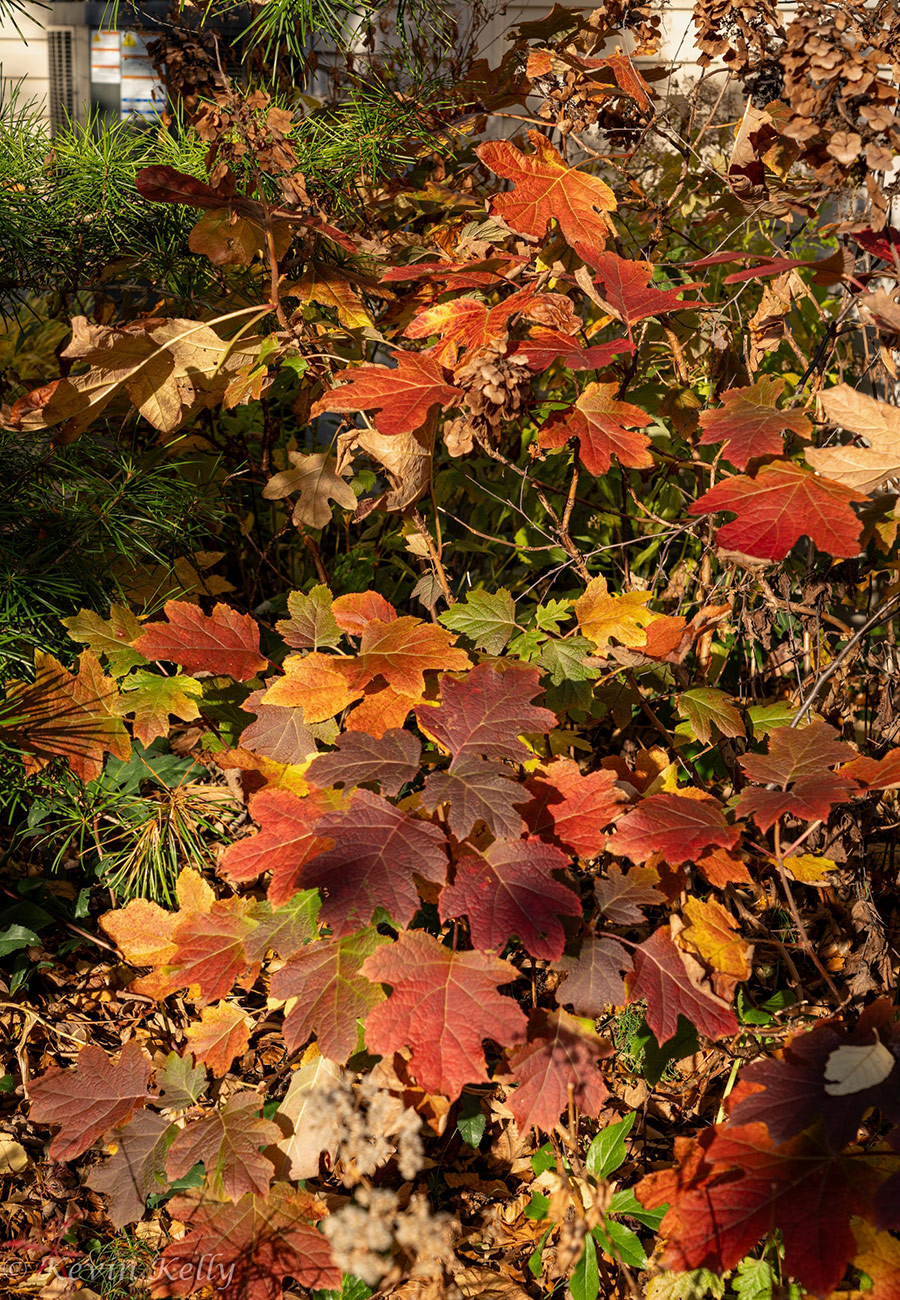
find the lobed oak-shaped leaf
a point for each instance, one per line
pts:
(875, 773)
(311, 623)
(464, 324)
(780, 504)
(285, 841)
(402, 396)
(223, 642)
(317, 482)
(375, 850)
(331, 994)
(151, 700)
(181, 1083)
(750, 424)
(110, 637)
(570, 808)
(510, 890)
(358, 758)
(860, 468)
(315, 683)
(625, 287)
(209, 948)
(228, 1141)
(136, 1169)
(558, 1054)
(678, 827)
(485, 713)
(545, 188)
(622, 896)
(811, 798)
(402, 651)
(672, 983)
(594, 977)
(602, 616)
(278, 733)
(249, 1247)
(545, 346)
(878, 1256)
(735, 1186)
(474, 791)
(354, 611)
(706, 709)
(284, 929)
(305, 1139)
(487, 618)
(91, 1097)
(442, 1006)
(798, 760)
(713, 935)
(221, 1034)
(605, 427)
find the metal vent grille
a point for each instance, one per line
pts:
(61, 104)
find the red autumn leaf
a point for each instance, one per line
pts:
(227, 1140)
(875, 773)
(735, 1187)
(572, 809)
(544, 346)
(475, 791)
(594, 978)
(442, 1006)
(402, 396)
(510, 890)
(486, 712)
(798, 760)
(401, 651)
(209, 948)
(625, 287)
(278, 733)
(247, 1249)
(359, 758)
(621, 896)
(221, 1034)
(750, 424)
(331, 993)
(810, 799)
(780, 504)
(286, 839)
(136, 1169)
(284, 929)
(61, 715)
(723, 867)
(558, 1054)
(604, 427)
(670, 980)
(355, 611)
(792, 1093)
(463, 324)
(91, 1097)
(376, 849)
(678, 827)
(223, 642)
(546, 188)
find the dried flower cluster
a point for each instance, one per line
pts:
(369, 1235)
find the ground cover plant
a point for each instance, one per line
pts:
(476, 877)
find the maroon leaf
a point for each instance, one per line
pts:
(670, 980)
(359, 758)
(676, 826)
(227, 1140)
(594, 978)
(475, 791)
(622, 896)
(486, 712)
(91, 1097)
(136, 1169)
(558, 1055)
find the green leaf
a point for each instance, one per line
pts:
(563, 660)
(584, 1284)
(696, 1285)
(608, 1151)
(110, 637)
(706, 709)
(527, 645)
(7, 1083)
(549, 615)
(755, 1279)
(150, 698)
(470, 1124)
(311, 624)
(621, 1243)
(543, 1159)
(15, 937)
(765, 718)
(488, 619)
(625, 1202)
(534, 1260)
(655, 1058)
(765, 1013)
(538, 1206)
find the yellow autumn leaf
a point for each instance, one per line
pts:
(602, 616)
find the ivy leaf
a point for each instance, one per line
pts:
(604, 427)
(110, 637)
(475, 791)
(780, 504)
(227, 1140)
(285, 841)
(278, 733)
(602, 616)
(545, 346)
(510, 890)
(441, 1006)
(223, 642)
(734, 1185)
(594, 977)
(670, 980)
(331, 993)
(486, 712)
(311, 623)
(91, 1097)
(221, 1034)
(402, 396)
(621, 897)
(559, 1053)
(263, 1240)
(488, 619)
(150, 699)
(375, 850)
(317, 482)
(65, 715)
(625, 287)
(750, 424)
(678, 827)
(545, 188)
(706, 708)
(572, 809)
(136, 1168)
(358, 758)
